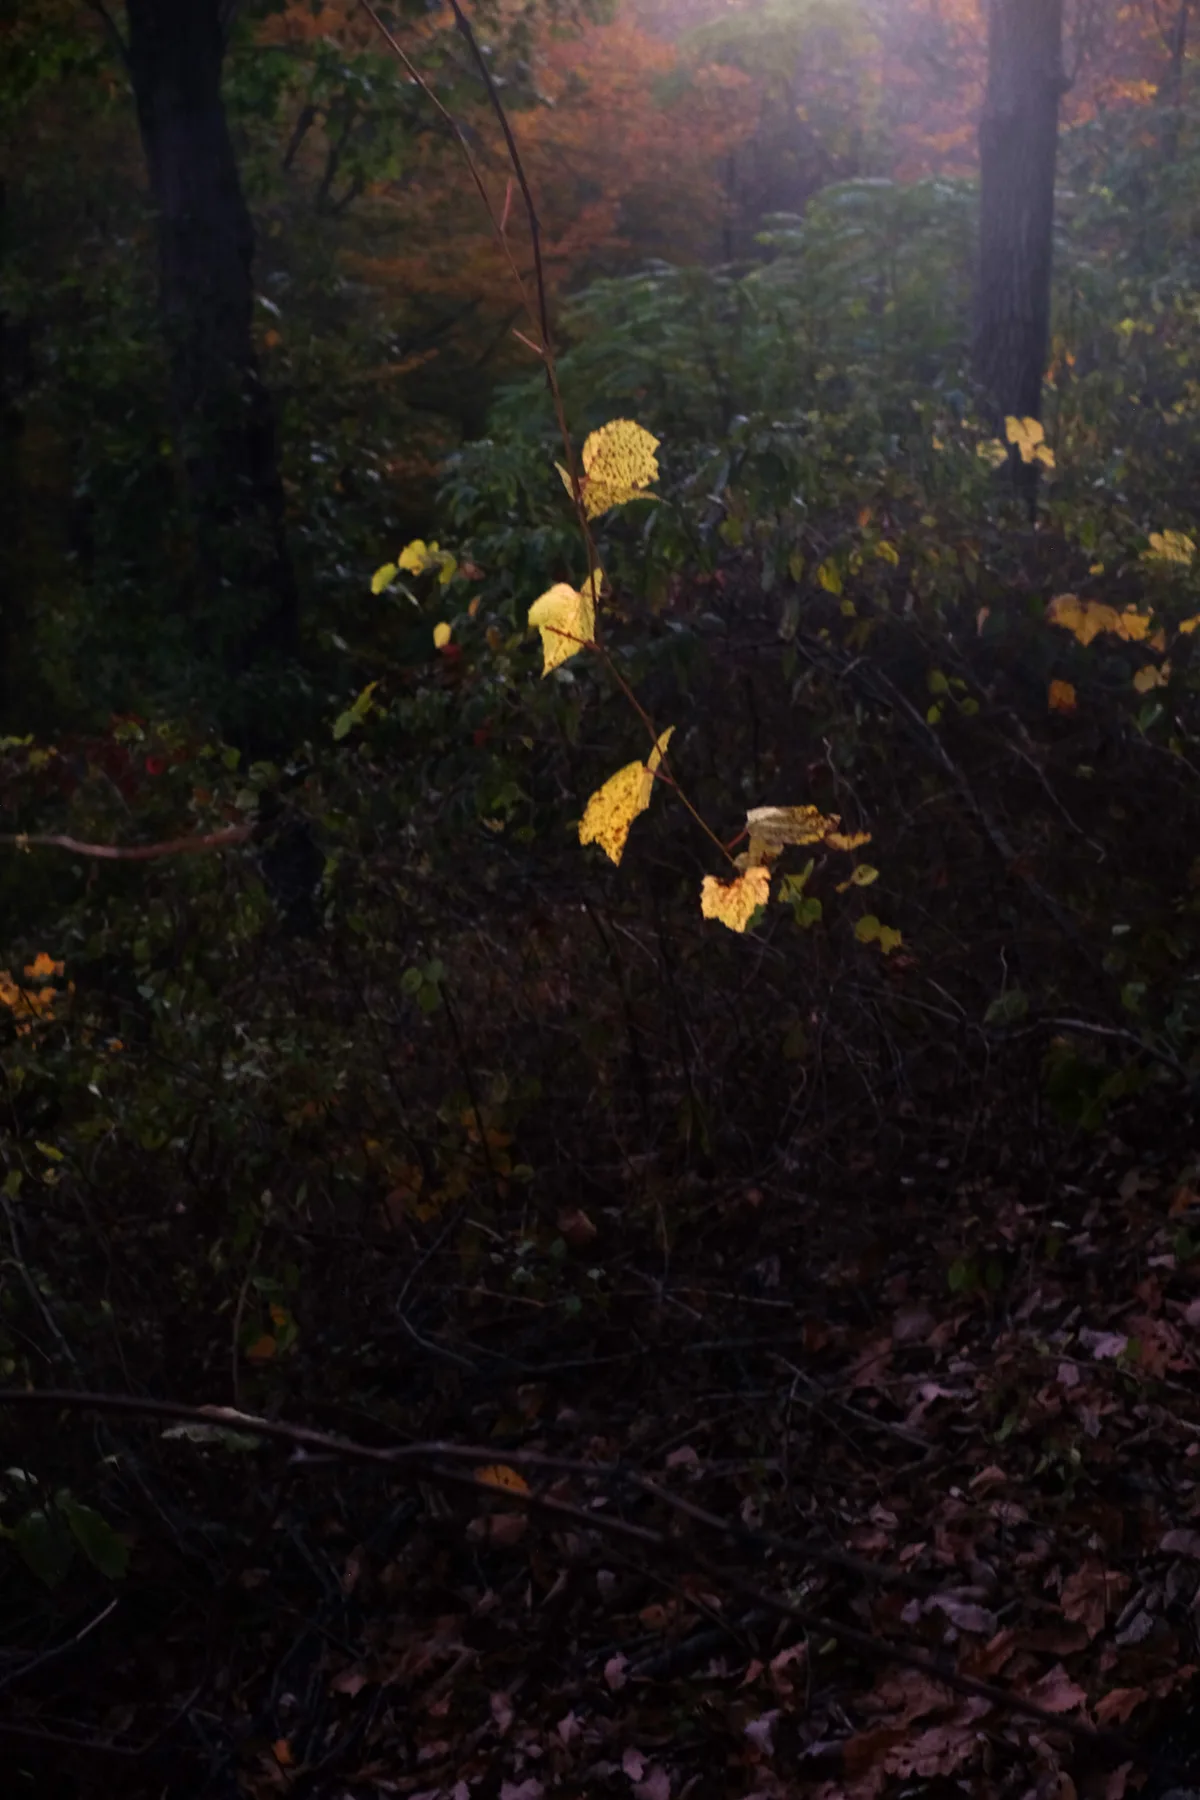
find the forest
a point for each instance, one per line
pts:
(599, 899)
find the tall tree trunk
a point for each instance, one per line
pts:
(225, 427)
(1018, 143)
(1171, 91)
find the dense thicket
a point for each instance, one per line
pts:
(317, 1106)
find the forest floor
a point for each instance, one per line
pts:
(882, 1491)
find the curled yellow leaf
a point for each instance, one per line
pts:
(735, 902)
(772, 828)
(566, 618)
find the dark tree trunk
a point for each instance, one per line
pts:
(1171, 91)
(225, 427)
(14, 378)
(1018, 143)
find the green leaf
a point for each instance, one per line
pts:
(44, 1545)
(104, 1548)
(1007, 1008)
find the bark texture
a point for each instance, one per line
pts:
(1018, 144)
(246, 598)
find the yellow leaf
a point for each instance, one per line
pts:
(735, 902)
(262, 1349)
(1061, 697)
(566, 619)
(1086, 619)
(887, 553)
(655, 758)
(863, 875)
(1170, 547)
(499, 1475)
(612, 809)
(1030, 439)
(473, 608)
(42, 966)
(441, 634)
(1187, 626)
(992, 452)
(829, 578)
(418, 556)
(382, 577)
(852, 840)
(869, 931)
(1149, 678)
(772, 828)
(1132, 625)
(618, 464)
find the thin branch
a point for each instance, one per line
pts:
(57, 1650)
(185, 846)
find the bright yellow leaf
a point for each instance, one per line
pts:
(1170, 547)
(417, 556)
(1061, 697)
(1187, 626)
(851, 840)
(382, 577)
(566, 618)
(612, 809)
(735, 902)
(441, 634)
(1030, 439)
(618, 464)
(655, 758)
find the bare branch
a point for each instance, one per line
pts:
(186, 846)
